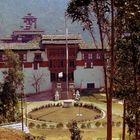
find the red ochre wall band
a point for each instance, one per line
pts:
(45, 64)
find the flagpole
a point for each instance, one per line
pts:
(67, 59)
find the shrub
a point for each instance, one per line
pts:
(59, 125)
(38, 126)
(31, 125)
(97, 124)
(104, 124)
(89, 125)
(113, 124)
(76, 104)
(52, 126)
(44, 125)
(118, 124)
(83, 126)
(68, 125)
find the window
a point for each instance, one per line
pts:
(90, 56)
(71, 63)
(85, 65)
(83, 55)
(23, 57)
(35, 66)
(4, 57)
(50, 64)
(98, 56)
(62, 63)
(37, 57)
(53, 77)
(1, 57)
(88, 65)
(91, 65)
(90, 85)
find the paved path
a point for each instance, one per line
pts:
(17, 126)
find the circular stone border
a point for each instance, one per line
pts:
(50, 124)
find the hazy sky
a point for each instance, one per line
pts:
(50, 14)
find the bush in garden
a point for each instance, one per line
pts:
(31, 125)
(113, 124)
(68, 125)
(97, 117)
(59, 125)
(44, 126)
(97, 124)
(118, 124)
(76, 104)
(52, 126)
(89, 125)
(83, 126)
(38, 126)
(104, 124)
(81, 104)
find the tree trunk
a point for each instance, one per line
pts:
(109, 118)
(109, 104)
(124, 115)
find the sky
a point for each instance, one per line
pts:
(50, 14)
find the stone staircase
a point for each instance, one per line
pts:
(61, 88)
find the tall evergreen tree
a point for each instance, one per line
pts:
(97, 17)
(75, 132)
(12, 81)
(128, 60)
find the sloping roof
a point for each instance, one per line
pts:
(28, 32)
(63, 39)
(19, 46)
(5, 38)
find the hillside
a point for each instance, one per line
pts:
(11, 134)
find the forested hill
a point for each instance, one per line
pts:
(50, 14)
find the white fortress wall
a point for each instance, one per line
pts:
(89, 75)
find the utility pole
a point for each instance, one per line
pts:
(67, 58)
(22, 118)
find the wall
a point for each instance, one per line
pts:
(92, 75)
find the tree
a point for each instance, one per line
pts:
(37, 79)
(100, 15)
(124, 74)
(13, 80)
(128, 60)
(75, 132)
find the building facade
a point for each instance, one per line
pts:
(53, 62)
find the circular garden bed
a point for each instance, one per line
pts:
(56, 115)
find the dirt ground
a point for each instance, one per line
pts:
(11, 134)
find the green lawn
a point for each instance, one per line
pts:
(64, 134)
(87, 134)
(60, 114)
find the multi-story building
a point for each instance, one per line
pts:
(53, 62)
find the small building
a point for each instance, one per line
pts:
(68, 103)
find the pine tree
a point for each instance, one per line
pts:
(75, 132)
(12, 81)
(128, 60)
(99, 15)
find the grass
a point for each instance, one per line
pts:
(64, 114)
(100, 101)
(87, 134)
